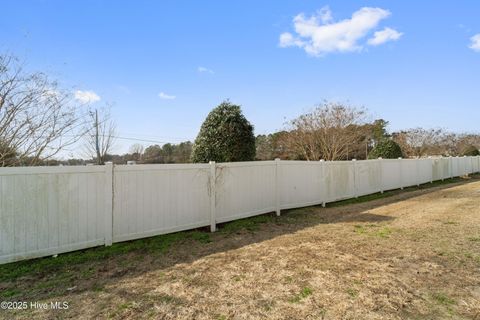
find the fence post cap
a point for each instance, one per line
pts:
(321, 160)
(211, 162)
(354, 159)
(277, 159)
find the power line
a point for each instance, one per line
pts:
(126, 138)
(138, 139)
(148, 136)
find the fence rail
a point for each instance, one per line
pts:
(51, 210)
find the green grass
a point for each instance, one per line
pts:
(249, 224)
(390, 193)
(160, 244)
(9, 293)
(384, 232)
(304, 293)
(166, 298)
(371, 230)
(450, 222)
(443, 299)
(359, 229)
(352, 292)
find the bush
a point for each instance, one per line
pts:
(387, 149)
(471, 151)
(225, 136)
(8, 155)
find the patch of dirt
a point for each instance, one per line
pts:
(415, 255)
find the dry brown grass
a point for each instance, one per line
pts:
(415, 255)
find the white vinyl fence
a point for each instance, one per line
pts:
(50, 210)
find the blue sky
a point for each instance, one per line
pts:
(422, 71)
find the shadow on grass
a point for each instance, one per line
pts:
(93, 269)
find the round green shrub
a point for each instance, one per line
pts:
(225, 136)
(470, 151)
(386, 149)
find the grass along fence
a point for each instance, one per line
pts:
(51, 210)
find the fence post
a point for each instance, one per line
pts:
(431, 166)
(465, 166)
(109, 194)
(381, 174)
(401, 173)
(213, 196)
(323, 177)
(355, 178)
(417, 161)
(450, 166)
(441, 162)
(277, 186)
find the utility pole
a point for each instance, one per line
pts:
(97, 144)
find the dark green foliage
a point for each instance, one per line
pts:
(168, 153)
(379, 130)
(386, 149)
(225, 136)
(471, 151)
(272, 146)
(8, 155)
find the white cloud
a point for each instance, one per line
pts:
(319, 34)
(288, 40)
(325, 14)
(86, 96)
(387, 34)
(203, 69)
(165, 96)
(475, 43)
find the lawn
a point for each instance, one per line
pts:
(411, 254)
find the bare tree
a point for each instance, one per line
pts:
(136, 150)
(37, 118)
(450, 144)
(100, 136)
(327, 132)
(467, 140)
(419, 142)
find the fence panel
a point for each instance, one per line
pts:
(156, 199)
(391, 174)
(468, 165)
(244, 189)
(424, 170)
(409, 172)
(339, 180)
(440, 168)
(368, 177)
(302, 183)
(50, 210)
(476, 163)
